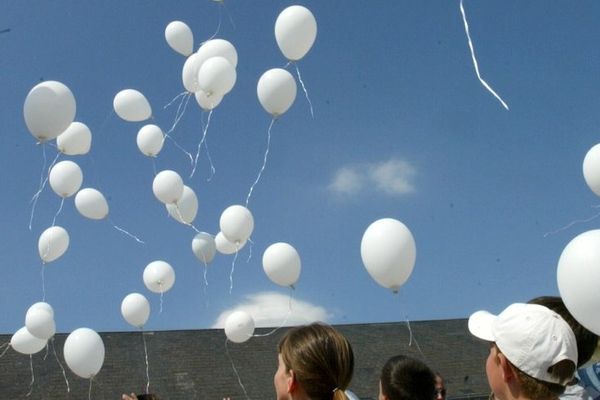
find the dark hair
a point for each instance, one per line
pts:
(321, 358)
(147, 396)
(406, 378)
(586, 340)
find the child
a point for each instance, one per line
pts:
(533, 352)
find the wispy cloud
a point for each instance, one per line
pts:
(393, 177)
(272, 309)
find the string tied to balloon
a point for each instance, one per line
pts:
(202, 141)
(475, 64)
(60, 365)
(264, 164)
(32, 376)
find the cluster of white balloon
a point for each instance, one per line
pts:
(578, 271)
(210, 74)
(49, 111)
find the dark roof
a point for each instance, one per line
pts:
(197, 364)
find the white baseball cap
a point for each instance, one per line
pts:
(532, 337)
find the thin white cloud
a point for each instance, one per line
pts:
(393, 177)
(347, 180)
(272, 309)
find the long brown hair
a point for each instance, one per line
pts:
(321, 358)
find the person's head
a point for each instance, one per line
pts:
(533, 352)
(440, 389)
(315, 361)
(586, 340)
(405, 378)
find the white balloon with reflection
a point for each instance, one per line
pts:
(159, 276)
(239, 326)
(91, 203)
(76, 140)
(53, 243)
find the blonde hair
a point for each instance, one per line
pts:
(321, 358)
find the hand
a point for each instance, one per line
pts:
(131, 396)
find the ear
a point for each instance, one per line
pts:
(508, 373)
(292, 383)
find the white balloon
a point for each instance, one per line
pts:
(65, 178)
(239, 326)
(388, 252)
(591, 169)
(91, 203)
(43, 306)
(159, 276)
(49, 109)
(189, 73)
(167, 186)
(186, 208)
(135, 308)
(276, 90)
(53, 243)
(207, 103)
(150, 139)
(236, 223)
(224, 246)
(204, 247)
(84, 352)
(281, 263)
(180, 38)
(76, 140)
(216, 76)
(218, 48)
(40, 323)
(578, 275)
(131, 105)
(25, 343)
(295, 32)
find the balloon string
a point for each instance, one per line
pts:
(239, 379)
(285, 320)
(125, 232)
(570, 224)
(62, 202)
(228, 14)
(43, 274)
(61, 366)
(180, 110)
(305, 91)
(178, 117)
(174, 98)
(147, 364)
(161, 298)
(250, 250)
(484, 83)
(218, 25)
(264, 162)
(47, 351)
(43, 182)
(90, 389)
(204, 132)
(6, 347)
(183, 221)
(233, 268)
(411, 336)
(154, 165)
(32, 376)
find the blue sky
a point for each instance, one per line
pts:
(402, 128)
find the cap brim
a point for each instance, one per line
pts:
(480, 325)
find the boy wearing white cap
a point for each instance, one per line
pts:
(533, 352)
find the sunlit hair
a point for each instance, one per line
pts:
(586, 340)
(321, 358)
(406, 378)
